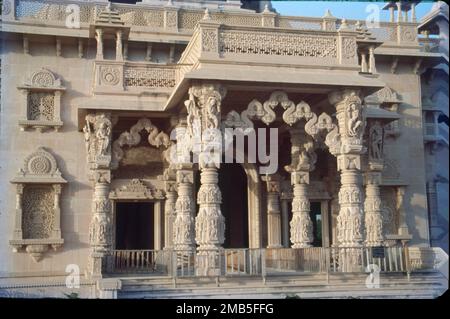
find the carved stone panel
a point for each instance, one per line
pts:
(37, 207)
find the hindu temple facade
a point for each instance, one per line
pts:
(110, 112)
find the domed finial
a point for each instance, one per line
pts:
(344, 25)
(169, 3)
(328, 14)
(266, 8)
(108, 7)
(206, 16)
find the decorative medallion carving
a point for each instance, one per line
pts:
(109, 75)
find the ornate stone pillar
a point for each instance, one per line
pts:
(100, 229)
(98, 134)
(169, 212)
(301, 225)
(273, 211)
(204, 107)
(183, 226)
(119, 52)
(348, 147)
(373, 213)
(99, 38)
(372, 65)
(209, 224)
(399, 11)
(302, 161)
(372, 205)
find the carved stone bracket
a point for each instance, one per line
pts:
(37, 218)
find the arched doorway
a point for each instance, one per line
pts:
(234, 207)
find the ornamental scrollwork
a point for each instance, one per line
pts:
(155, 138)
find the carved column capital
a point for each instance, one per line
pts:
(351, 122)
(273, 183)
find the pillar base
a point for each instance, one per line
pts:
(210, 263)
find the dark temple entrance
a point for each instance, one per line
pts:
(134, 225)
(233, 185)
(316, 218)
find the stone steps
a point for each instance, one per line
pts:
(426, 285)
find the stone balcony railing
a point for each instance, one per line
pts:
(148, 18)
(218, 43)
(121, 77)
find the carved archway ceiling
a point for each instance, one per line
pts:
(125, 122)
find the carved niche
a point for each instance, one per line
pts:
(37, 218)
(41, 105)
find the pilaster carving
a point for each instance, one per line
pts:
(209, 224)
(373, 210)
(273, 211)
(170, 186)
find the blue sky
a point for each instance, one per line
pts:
(339, 9)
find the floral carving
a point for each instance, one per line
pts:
(408, 34)
(137, 189)
(41, 106)
(110, 75)
(281, 44)
(38, 217)
(6, 7)
(209, 40)
(349, 48)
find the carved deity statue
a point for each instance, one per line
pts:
(354, 119)
(102, 134)
(376, 141)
